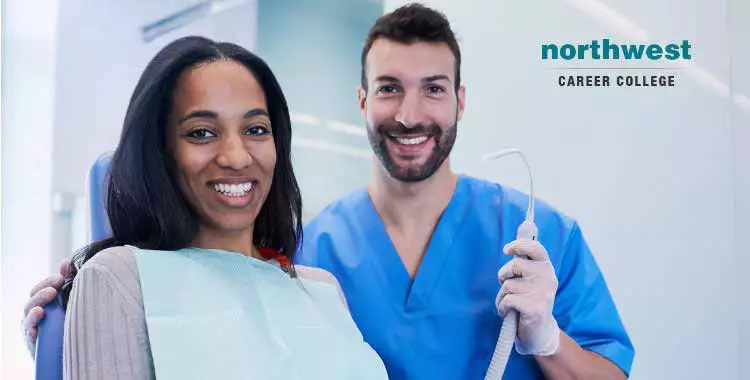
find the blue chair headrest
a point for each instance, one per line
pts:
(98, 182)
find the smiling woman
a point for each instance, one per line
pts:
(205, 214)
(221, 138)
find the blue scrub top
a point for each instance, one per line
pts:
(444, 324)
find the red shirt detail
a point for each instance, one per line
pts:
(269, 253)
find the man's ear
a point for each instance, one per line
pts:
(361, 98)
(461, 101)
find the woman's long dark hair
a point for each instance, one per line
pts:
(144, 203)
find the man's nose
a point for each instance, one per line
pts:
(410, 112)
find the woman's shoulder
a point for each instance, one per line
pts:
(112, 259)
(320, 275)
(114, 267)
(315, 274)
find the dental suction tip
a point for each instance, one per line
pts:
(500, 153)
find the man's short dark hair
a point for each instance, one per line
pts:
(409, 24)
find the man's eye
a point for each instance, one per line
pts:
(201, 133)
(435, 90)
(387, 89)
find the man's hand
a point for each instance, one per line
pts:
(42, 294)
(529, 285)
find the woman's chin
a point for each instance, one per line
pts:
(233, 224)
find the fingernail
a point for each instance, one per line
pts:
(506, 249)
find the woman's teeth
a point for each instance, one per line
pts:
(411, 140)
(236, 190)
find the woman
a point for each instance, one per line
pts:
(197, 281)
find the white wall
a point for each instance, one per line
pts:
(739, 32)
(29, 47)
(327, 35)
(649, 173)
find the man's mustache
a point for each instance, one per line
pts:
(399, 129)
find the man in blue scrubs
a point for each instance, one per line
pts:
(421, 252)
(420, 249)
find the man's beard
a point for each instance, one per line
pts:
(443, 146)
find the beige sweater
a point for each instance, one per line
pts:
(105, 326)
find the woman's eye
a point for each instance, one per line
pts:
(257, 130)
(201, 133)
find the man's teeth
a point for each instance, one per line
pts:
(411, 140)
(238, 189)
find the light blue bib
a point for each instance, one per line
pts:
(214, 314)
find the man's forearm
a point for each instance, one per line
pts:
(574, 362)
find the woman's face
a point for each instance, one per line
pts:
(220, 137)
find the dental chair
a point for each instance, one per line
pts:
(49, 346)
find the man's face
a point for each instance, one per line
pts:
(411, 106)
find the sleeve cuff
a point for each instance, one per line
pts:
(615, 352)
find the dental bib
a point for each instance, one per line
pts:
(214, 314)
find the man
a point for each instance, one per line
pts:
(420, 250)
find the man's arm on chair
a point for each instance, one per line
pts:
(41, 294)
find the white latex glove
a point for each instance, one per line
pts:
(529, 285)
(43, 293)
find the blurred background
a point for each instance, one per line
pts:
(657, 177)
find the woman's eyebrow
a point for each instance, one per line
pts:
(256, 112)
(199, 114)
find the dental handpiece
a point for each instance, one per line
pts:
(527, 230)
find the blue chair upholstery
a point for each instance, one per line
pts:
(49, 347)
(98, 181)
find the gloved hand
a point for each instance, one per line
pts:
(529, 285)
(42, 294)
